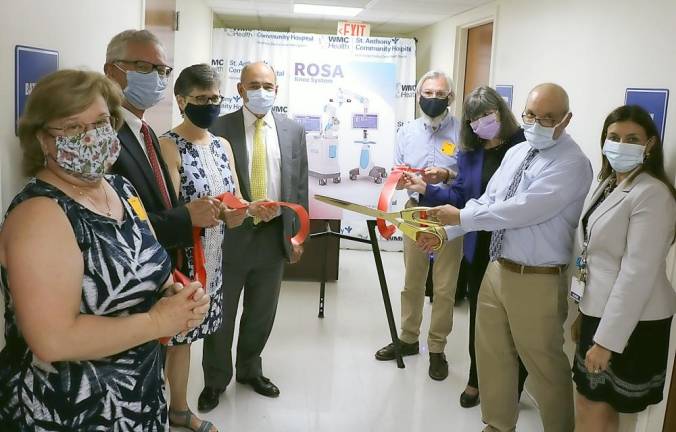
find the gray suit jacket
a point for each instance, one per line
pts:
(291, 136)
(630, 234)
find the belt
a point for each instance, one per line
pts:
(524, 269)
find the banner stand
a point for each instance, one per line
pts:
(373, 241)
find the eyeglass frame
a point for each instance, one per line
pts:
(435, 94)
(208, 102)
(154, 67)
(103, 122)
(531, 120)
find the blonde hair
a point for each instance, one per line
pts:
(58, 95)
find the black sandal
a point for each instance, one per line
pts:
(186, 415)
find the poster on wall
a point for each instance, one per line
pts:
(507, 93)
(30, 65)
(350, 93)
(654, 101)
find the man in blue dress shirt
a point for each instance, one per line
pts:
(532, 205)
(431, 143)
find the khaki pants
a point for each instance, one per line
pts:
(524, 315)
(444, 277)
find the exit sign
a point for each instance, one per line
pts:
(352, 28)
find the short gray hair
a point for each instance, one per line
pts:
(117, 47)
(433, 74)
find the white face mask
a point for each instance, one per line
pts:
(623, 157)
(538, 136)
(260, 101)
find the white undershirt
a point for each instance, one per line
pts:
(135, 124)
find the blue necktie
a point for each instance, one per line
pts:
(495, 249)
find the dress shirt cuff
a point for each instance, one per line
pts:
(451, 176)
(453, 232)
(467, 220)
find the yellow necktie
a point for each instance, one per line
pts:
(259, 178)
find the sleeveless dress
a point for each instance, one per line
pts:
(205, 171)
(124, 270)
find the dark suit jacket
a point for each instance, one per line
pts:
(291, 136)
(466, 186)
(172, 226)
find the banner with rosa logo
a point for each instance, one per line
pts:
(350, 93)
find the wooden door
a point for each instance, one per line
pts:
(478, 59)
(161, 20)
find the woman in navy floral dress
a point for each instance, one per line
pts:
(83, 276)
(200, 165)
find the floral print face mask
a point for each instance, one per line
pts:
(89, 155)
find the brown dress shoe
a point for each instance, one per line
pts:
(438, 366)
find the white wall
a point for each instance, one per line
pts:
(440, 45)
(593, 49)
(193, 39)
(615, 44)
(79, 30)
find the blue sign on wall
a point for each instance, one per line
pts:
(507, 93)
(652, 100)
(31, 64)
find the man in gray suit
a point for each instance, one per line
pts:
(271, 163)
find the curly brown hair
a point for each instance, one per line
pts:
(62, 94)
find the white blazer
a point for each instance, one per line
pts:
(630, 234)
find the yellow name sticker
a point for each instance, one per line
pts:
(448, 148)
(135, 203)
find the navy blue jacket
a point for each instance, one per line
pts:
(466, 186)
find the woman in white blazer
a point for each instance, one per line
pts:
(626, 302)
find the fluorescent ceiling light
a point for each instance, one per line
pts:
(311, 9)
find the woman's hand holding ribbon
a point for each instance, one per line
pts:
(233, 217)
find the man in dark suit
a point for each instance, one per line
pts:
(136, 60)
(271, 163)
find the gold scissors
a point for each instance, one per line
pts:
(411, 221)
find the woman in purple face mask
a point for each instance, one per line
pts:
(489, 129)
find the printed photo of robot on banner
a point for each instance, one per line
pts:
(350, 93)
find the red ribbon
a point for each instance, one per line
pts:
(231, 201)
(386, 197)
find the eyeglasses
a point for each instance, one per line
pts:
(75, 129)
(145, 67)
(435, 94)
(530, 119)
(207, 100)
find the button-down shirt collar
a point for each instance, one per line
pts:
(135, 124)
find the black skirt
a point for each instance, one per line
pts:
(635, 378)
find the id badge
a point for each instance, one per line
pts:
(576, 289)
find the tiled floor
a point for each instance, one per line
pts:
(328, 377)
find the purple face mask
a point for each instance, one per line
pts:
(486, 127)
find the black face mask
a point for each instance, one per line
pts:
(433, 107)
(202, 116)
